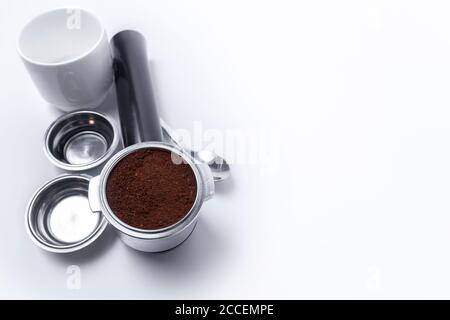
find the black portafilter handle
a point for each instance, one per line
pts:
(138, 114)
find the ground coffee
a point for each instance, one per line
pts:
(147, 190)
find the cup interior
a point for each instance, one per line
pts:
(59, 36)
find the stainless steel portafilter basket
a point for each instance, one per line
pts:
(161, 239)
(81, 141)
(58, 217)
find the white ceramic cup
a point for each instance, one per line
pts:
(67, 54)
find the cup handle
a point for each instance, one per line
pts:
(94, 194)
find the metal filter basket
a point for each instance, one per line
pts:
(152, 240)
(58, 217)
(81, 141)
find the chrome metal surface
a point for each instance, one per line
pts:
(219, 167)
(81, 140)
(152, 240)
(85, 147)
(58, 217)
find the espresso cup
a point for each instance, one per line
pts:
(68, 57)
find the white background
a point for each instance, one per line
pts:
(349, 196)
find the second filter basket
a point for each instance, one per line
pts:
(81, 141)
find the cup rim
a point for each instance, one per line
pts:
(68, 61)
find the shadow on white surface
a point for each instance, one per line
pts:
(107, 106)
(225, 187)
(195, 258)
(93, 252)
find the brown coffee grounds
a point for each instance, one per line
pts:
(147, 190)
